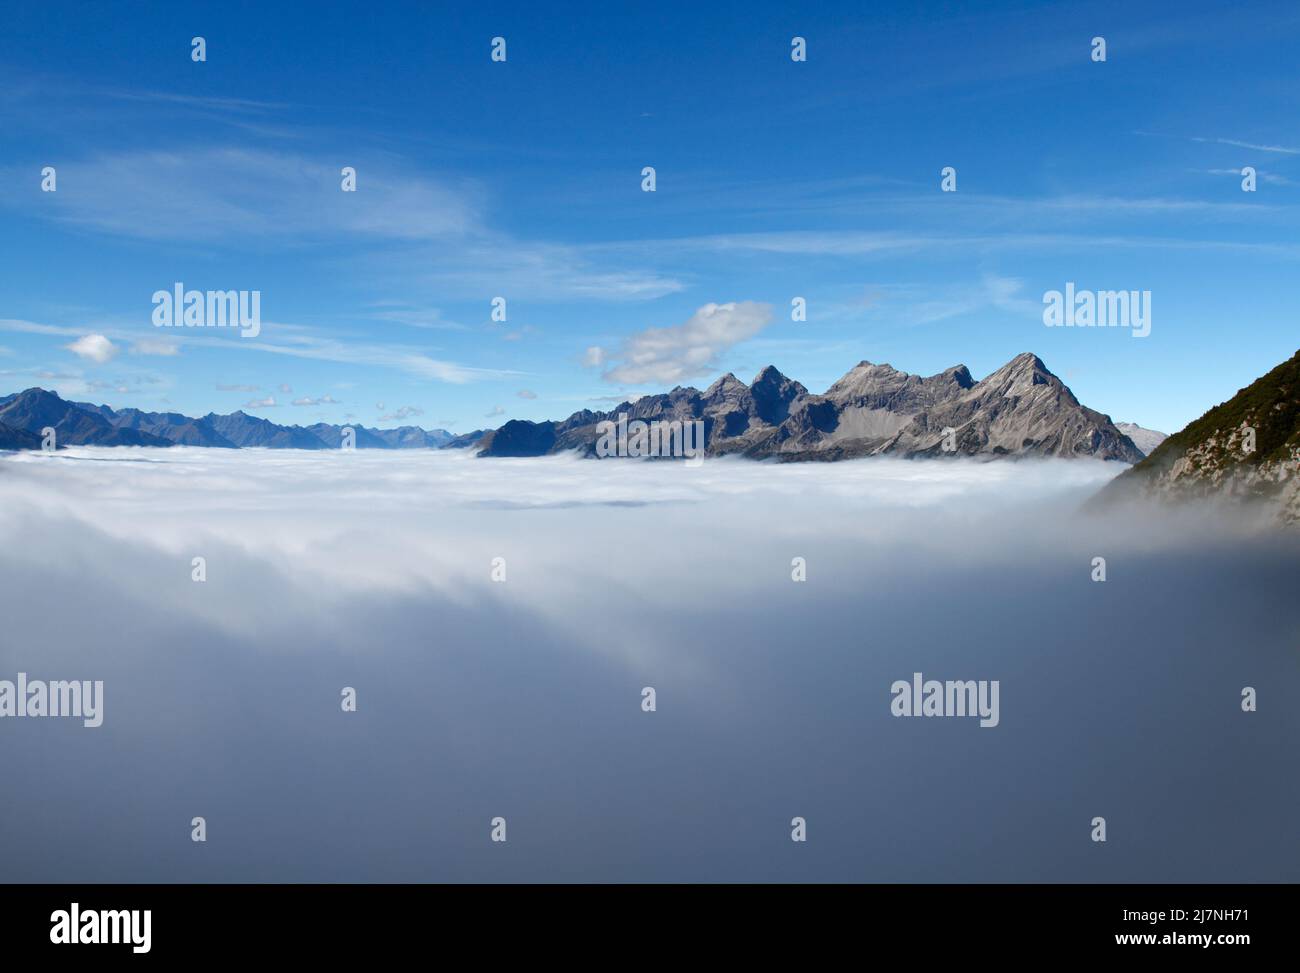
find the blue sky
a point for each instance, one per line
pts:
(522, 179)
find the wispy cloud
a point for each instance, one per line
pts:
(1272, 178)
(236, 193)
(916, 305)
(1253, 146)
(297, 341)
(542, 270)
(848, 243)
(429, 319)
(206, 102)
(1236, 143)
(35, 327)
(152, 346)
(403, 358)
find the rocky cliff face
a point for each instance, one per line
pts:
(1022, 409)
(1246, 449)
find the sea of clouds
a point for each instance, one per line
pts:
(522, 698)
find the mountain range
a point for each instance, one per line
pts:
(24, 414)
(1247, 448)
(1021, 409)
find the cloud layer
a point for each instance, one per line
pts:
(522, 698)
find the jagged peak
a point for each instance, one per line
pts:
(1027, 360)
(865, 368)
(727, 381)
(874, 366)
(1026, 365)
(770, 373)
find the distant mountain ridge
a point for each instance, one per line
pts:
(24, 414)
(1144, 439)
(1247, 448)
(36, 409)
(1021, 409)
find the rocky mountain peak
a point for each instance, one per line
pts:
(960, 375)
(1020, 375)
(773, 393)
(726, 383)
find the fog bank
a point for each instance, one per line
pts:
(522, 698)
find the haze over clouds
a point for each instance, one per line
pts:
(522, 698)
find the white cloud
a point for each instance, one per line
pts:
(526, 394)
(93, 347)
(266, 403)
(405, 412)
(670, 355)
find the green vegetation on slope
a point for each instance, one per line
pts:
(1270, 404)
